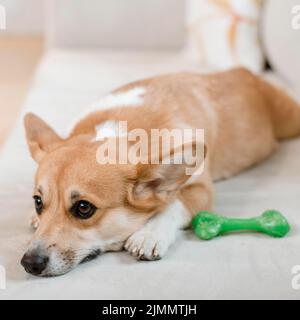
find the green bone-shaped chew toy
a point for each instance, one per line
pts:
(208, 225)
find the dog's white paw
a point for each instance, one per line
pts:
(152, 241)
(34, 221)
(148, 244)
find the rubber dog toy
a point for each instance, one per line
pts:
(208, 225)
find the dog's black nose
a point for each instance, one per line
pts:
(34, 263)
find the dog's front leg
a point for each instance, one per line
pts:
(152, 241)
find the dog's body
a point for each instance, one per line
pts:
(139, 206)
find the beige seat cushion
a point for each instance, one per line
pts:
(233, 266)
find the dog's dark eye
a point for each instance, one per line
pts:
(38, 204)
(83, 209)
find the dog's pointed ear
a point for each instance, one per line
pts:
(161, 181)
(41, 138)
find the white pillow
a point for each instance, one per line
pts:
(224, 33)
(281, 38)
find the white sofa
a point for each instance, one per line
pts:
(233, 266)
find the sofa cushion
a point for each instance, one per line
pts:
(138, 24)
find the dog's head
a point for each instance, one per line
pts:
(85, 208)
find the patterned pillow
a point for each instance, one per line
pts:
(225, 33)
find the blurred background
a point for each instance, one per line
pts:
(211, 34)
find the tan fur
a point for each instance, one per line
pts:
(242, 116)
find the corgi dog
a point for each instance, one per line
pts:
(84, 208)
